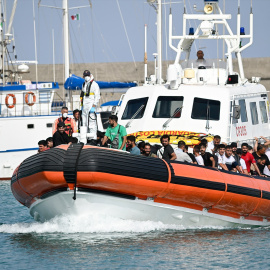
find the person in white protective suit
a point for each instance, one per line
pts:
(90, 96)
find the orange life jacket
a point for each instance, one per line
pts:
(68, 128)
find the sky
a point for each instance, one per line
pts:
(99, 35)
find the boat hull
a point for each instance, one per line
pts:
(122, 185)
(88, 203)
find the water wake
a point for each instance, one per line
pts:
(87, 224)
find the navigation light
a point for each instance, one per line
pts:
(242, 31)
(191, 31)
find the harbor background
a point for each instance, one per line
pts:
(133, 71)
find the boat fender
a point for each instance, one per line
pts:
(27, 100)
(10, 106)
(71, 164)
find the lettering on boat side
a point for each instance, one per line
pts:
(164, 132)
(241, 131)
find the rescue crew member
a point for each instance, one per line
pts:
(90, 96)
(200, 62)
(69, 122)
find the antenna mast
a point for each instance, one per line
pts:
(66, 38)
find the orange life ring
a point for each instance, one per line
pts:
(10, 106)
(27, 100)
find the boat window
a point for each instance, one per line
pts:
(232, 104)
(30, 126)
(263, 112)
(135, 108)
(49, 125)
(168, 107)
(254, 113)
(205, 109)
(243, 110)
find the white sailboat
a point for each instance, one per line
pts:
(26, 108)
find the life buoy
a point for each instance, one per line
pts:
(27, 100)
(10, 106)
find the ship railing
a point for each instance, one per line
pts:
(21, 103)
(208, 63)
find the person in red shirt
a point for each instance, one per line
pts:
(249, 158)
(42, 146)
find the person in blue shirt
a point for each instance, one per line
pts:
(133, 149)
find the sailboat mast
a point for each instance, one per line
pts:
(66, 38)
(159, 41)
(2, 43)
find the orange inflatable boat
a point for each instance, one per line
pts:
(76, 179)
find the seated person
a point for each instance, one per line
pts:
(241, 161)
(221, 157)
(141, 146)
(198, 157)
(190, 155)
(166, 151)
(132, 148)
(49, 142)
(259, 154)
(180, 154)
(261, 162)
(212, 146)
(229, 160)
(42, 146)
(208, 158)
(147, 151)
(60, 136)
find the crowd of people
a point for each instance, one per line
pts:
(228, 157)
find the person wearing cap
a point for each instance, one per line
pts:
(60, 136)
(90, 96)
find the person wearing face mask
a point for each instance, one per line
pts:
(90, 96)
(70, 126)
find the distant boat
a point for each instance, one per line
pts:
(28, 109)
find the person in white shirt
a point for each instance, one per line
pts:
(212, 146)
(198, 157)
(229, 160)
(180, 154)
(221, 158)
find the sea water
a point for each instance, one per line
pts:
(107, 243)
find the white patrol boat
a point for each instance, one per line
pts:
(200, 97)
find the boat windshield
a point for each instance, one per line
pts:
(168, 107)
(207, 63)
(135, 108)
